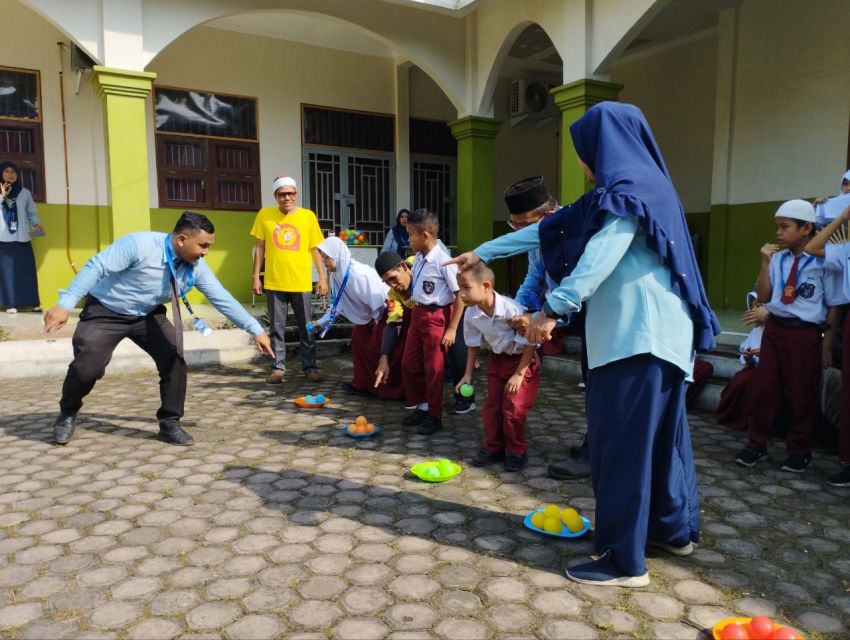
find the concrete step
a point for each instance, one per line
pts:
(50, 357)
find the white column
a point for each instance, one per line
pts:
(402, 138)
(724, 106)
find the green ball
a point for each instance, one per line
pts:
(466, 390)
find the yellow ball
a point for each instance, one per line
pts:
(568, 513)
(552, 525)
(537, 519)
(574, 523)
(552, 511)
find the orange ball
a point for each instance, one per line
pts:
(370, 428)
(361, 421)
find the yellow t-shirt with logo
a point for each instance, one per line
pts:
(289, 239)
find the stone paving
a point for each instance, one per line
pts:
(274, 525)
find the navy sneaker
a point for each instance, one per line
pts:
(672, 549)
(415, 418)
(747, 457)
(797, 463)
(840, 479)
(484, 458)
(603, 572)
(514, 462)
(429, 425)
(463, 405)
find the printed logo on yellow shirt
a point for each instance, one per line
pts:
(286, 237)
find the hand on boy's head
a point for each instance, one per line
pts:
(464, 261)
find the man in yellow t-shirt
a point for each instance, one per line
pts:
(287, 236)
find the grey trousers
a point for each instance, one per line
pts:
(277, 304)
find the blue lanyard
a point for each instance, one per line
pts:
(799, 268)
(190, 281)
(417, 274)
(338, 294)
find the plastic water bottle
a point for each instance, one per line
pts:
(202, 327)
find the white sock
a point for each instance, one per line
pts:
(422, 406)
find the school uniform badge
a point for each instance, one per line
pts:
(806, 290)
(428, 287)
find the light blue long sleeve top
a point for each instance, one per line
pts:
(627, 289)
(27, 215)
(131, 277)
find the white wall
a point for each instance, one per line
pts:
(427, 100)
(282, 75)
(792, 100)
(31, 44)
(675, 88)
(522, 151)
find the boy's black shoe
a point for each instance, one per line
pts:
(840, 479)
(484, 458)
(748, 457)
(464, 405)
(797, 463)
(429, 425)
(415, 418)
(514, 462)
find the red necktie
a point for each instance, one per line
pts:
(789, 293)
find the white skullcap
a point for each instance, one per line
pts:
(796, 210)
(283, 181)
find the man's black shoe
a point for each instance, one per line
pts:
(415, 418)
(171, 432)
(574, 469)
(350, 388)
(63, 428)
(484, 457)
(515, 462)
(429, 425)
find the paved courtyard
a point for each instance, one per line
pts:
(276, 525)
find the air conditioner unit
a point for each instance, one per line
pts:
(530, 97)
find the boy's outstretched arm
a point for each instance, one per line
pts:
(816, 245)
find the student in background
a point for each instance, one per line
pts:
(836, 258)
(397, 239)
(790, 283)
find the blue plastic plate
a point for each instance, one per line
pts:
(565, 533)
(346, 432)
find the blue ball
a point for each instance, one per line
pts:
(320, 398)
(309, 399)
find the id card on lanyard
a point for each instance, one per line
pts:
(200, 326)
(338, 295)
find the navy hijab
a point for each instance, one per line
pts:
(615, 141)
(402, 240)
(9, 204)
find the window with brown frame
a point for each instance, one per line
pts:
(21, 135)
(207, 154)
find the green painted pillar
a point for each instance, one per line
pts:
(474, 136)
(125, 126)
(574, 99)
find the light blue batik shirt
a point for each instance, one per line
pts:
(627, 289)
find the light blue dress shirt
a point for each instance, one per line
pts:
(808, 304)
(631, 307)
(131, 277)
(836, 276)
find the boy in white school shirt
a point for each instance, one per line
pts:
(513, 374)
(436, 315)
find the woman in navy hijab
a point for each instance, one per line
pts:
(623, 251)
(397, 239)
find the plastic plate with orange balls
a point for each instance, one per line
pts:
(758, 628)
(361, 428)
(566, 523)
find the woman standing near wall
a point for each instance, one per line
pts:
(397, 239)
(18, 281)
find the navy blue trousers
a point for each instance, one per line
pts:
(641, 461)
